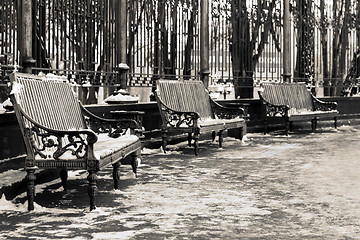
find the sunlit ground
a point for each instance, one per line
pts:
(302, 186)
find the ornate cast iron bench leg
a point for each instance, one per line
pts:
(116, 174)
(64, 177)
(92, 189)
(30, 178)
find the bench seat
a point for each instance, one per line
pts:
(222, 124)
(293, 102)
(108, 150)
(60, 133)
(307, 115)
(186, 107)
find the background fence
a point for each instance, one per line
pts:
(80, 38)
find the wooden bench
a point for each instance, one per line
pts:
(60, 133)
(293, 102)
(186, 107)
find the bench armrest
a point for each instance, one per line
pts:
(223, 112)
(323, 106)
(114, 127)
(272, 110)
(173, 118)
(51, 143)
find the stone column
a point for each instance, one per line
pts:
(26, 35)
(204, 42)
(121, 32)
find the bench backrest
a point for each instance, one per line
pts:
(50, 103)
(185, 96)
(295, 95)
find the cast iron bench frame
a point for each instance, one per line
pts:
(293, 102)
(186, 107)
(60, 133)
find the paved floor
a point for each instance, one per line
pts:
(305, 186)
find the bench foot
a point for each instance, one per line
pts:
(116, 174)
(265, 126)
(313, 124)
(221, 138)
(189, 139)
(30, 179)
(335, 122)
(164, 142)
(287, 127)
(92, 189)
(242, 133)
(64, 177)
(291, 126)
(213, 135)
(196, 147)
(135, 162)
(196, 144)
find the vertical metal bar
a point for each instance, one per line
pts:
(10, 32)
(102, 31)
(71, 34)
(286, 42)
(83, 44)
(58, 39)
(149, 38)
(3, 26)
(204, 42)
(53, 37)
(111, 32)
(89, 36)
(61, 31)
(104, 40)
(65, 16)
(6, 40)
(12, 16)
(48, 17)
(14, 29)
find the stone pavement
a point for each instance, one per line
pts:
(304, 186)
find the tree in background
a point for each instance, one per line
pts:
(305, 25)
(250, 31)
(343, 21)
(189, 45)
(353, 76)
(338, 21)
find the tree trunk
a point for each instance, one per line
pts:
(339, 50)
(325, 63)
(189, 42)
(241, 51)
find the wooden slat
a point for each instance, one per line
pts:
(185, 96)
(50, 103)
(293, 94)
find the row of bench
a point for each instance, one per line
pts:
(60, 133)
